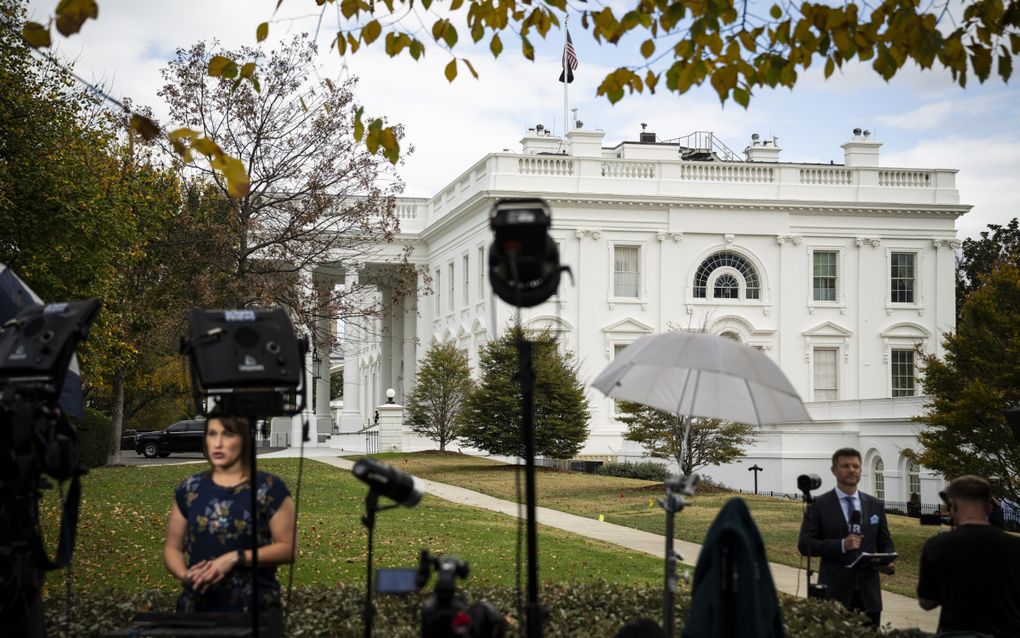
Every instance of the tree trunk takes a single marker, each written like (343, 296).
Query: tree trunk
(113, 455)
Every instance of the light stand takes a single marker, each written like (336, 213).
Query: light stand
(526, 376)
(816, 590)
(676, 488)
(368, 520)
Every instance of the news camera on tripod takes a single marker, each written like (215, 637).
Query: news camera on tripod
(36, 439)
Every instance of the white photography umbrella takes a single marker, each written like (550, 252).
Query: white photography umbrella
(702, 375)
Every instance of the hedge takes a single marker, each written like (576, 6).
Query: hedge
(574, 611)
(647, 470)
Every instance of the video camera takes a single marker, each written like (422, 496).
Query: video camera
(36, 437)
(445, 615)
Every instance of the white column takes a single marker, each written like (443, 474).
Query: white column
(350, 419)
(323, 422)
(410, 364)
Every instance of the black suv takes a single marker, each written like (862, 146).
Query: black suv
(183, 436)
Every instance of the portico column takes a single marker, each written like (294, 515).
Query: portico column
(350, 418)
(323, 420)
(409, 366)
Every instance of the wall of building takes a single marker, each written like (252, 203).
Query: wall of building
(678, 213)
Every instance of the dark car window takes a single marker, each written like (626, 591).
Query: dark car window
(196, 426)
(178, 427)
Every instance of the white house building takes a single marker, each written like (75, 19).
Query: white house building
(839, 272)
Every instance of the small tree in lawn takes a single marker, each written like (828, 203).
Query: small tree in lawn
(710, 442)
(492, 416)
(442, 385)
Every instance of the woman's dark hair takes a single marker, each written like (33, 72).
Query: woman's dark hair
(238, 425)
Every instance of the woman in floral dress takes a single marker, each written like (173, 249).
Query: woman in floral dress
(208, 536)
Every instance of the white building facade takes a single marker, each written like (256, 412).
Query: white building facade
(839, 273)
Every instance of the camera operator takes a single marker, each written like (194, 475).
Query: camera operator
(837, 527)
(972, 571)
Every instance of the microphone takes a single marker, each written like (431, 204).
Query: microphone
(387, 480)
(855, 522)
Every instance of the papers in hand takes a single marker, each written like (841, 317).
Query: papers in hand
(867, 559)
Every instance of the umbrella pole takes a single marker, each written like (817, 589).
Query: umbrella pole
(526, 375)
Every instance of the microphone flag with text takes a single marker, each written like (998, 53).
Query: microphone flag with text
(855, 522)
(390, 482)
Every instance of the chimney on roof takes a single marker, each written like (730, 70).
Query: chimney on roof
(646, 137)
(762, 150)
(861, 150)
(539, 139)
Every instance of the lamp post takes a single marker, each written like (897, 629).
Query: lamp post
(755, 468)
(390, 393)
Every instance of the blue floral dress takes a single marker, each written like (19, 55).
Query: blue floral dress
(219, 521)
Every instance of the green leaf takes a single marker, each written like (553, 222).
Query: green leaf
(36, 35)
(304, 107)
(647, 48)
(776, 12)
(341, 43)
(371, 32)
(416, 49)
(255, 84)
(527, 49)
(741, 97)
(496, 45)
(71, 14)
(247, 70)
(222, 66)
(451, 70)
(359, 126)
(262, 32)
(1005, 67)
(390, 145)
(470, 67)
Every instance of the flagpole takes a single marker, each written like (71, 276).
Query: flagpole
(566, 71)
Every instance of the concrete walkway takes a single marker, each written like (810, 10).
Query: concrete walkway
(902, 612)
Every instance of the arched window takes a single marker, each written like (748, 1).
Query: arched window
(727, 284)
(726, 287)
(878, 480)
(729, 334)
(913, 478)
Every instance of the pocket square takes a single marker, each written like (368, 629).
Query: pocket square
(874, 519)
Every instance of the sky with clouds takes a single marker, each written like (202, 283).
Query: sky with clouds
(923, 118)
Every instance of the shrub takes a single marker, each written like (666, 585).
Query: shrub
(575, 611)
(648, 470)
(94, 438)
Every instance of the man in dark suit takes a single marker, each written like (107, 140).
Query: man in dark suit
(838, 526)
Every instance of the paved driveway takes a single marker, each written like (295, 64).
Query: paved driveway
(130, 457)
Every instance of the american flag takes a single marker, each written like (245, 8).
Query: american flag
(569, 61)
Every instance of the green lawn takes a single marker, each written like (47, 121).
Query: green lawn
(630, 502)
(124, 511)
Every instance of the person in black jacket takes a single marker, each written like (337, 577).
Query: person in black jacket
(972, 572)
(837, 527)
